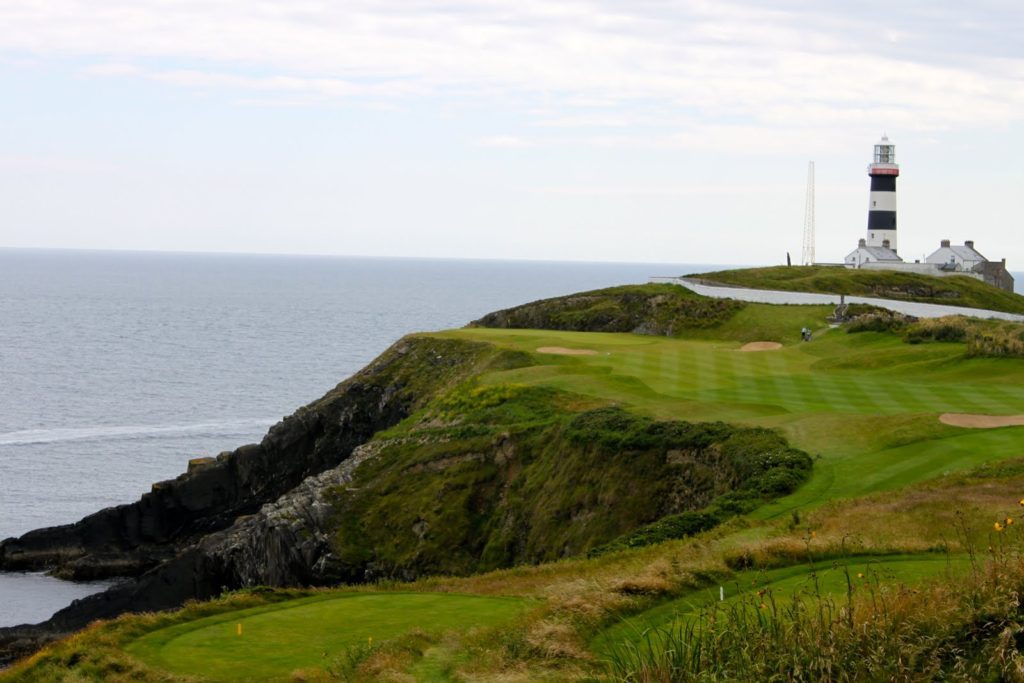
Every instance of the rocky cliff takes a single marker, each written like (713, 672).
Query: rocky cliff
(212, 529)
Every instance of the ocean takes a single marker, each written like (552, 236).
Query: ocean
(116, 368)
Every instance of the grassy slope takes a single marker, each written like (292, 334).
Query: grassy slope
(866, 404)
(957, 290)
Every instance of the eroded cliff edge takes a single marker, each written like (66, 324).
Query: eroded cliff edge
(157, 542)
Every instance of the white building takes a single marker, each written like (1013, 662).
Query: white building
(956, 257)
(864, 254)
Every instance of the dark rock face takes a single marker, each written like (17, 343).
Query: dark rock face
(284, 544)
(129, 539)
(227, 522)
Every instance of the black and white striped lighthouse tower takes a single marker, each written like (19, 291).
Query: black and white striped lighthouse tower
(882, 210)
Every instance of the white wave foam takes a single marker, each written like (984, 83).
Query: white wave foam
(37, 436)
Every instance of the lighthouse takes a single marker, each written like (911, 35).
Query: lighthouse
(882, 207)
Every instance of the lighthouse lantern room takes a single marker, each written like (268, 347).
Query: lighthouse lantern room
(882, 208)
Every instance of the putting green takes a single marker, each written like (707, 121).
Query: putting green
(278, 639)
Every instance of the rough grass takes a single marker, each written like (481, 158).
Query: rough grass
(983, 338)
(954, 290)
(657, 309)
(964, 627)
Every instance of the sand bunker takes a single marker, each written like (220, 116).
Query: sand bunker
(981, 421)
(562, 351)
(761, 346)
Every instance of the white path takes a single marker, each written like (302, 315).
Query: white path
(771, 296)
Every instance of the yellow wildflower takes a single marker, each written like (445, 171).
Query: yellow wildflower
(997, 526)
(1009, 521)
(764, 606)
(1022, 502)
(860, 575)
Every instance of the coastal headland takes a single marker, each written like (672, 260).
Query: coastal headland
(511, 492)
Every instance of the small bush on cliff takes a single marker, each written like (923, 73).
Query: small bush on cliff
(657, 309)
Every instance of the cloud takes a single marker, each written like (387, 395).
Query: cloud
(645, 64)
(504, 142)
(111, 69)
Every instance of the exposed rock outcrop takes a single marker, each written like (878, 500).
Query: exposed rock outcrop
(228, 523)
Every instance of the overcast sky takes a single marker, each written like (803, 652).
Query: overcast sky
(627, 130)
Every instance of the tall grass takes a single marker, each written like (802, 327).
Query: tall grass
(984, 338)
(996, 344)
(968, 629)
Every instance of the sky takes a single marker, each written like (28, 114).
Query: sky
(633, 130)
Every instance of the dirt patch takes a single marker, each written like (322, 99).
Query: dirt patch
(562, 351)
(761, 346)
(981, 421)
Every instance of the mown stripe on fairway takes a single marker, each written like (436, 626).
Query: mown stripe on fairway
(855, 397)
(1010, 399)
(895, 467)
(884, 397)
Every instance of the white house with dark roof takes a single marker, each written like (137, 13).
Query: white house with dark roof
(964, 259)
(865, 254)
(956, 257)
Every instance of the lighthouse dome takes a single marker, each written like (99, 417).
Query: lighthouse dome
(885, 151)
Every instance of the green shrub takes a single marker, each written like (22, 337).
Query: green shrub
(946, 329)
(665, 529)
(885, 321)
(779, 481)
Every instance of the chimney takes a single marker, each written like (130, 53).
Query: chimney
(885, 243)
(944, 243)
(969, 244)
(862, 243)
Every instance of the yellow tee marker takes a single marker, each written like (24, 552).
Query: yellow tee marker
(239, 629)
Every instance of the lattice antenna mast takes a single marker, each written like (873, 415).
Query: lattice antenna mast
(808, 254)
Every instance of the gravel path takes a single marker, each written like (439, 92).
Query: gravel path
(771, 296)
